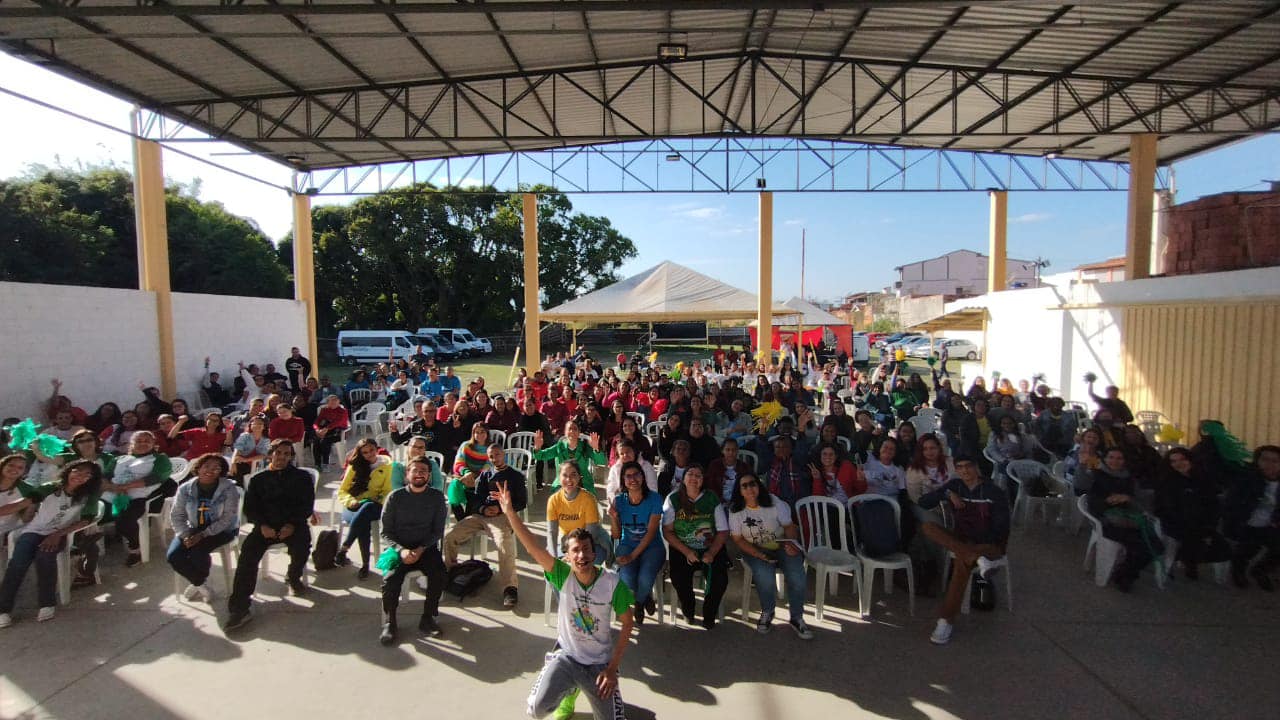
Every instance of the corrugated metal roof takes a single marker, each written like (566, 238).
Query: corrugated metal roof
(514, 73)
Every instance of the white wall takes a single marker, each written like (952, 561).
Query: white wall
(1027, 334)
(229, 329)
(101, 342)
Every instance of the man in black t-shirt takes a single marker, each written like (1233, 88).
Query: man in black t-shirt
(298, 368)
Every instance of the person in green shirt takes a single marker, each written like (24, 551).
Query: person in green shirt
(696, 529)
(587, 657)
(571, 448)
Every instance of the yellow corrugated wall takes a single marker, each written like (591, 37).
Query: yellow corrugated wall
(1206, 361)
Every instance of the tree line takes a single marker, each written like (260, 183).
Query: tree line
(410, 257)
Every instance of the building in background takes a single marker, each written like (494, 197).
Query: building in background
(862, 309)
(960, 273)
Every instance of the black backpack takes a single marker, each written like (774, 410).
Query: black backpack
(468, 576)
(325, 550)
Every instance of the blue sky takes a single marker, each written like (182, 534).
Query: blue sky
(854, 240)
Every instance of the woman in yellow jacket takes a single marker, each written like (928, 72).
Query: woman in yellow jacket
(364, 488)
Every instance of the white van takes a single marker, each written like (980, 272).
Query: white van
(861, 349)
(463, 340)
(361, 346)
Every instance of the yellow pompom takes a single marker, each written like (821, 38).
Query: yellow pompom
(1169, 433)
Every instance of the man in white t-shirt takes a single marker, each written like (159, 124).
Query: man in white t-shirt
(586, 657)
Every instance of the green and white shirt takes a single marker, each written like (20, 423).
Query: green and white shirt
(697, 528)
(583, 620)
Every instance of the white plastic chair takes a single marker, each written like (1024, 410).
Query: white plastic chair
(888, 563)
(844, 442)
(652, 429)
(1023, 472)
(1002, 563)
(522, 440)
(1220, 569)
(522, 461)
(923, 424)
(1069, 514)
(498, 437)
(638, 418)
(336, 521)
(359, 396)
(1103, 553)
(750, 458)
(433, 455)
(178, 473)
(366, 419)
(826, 551)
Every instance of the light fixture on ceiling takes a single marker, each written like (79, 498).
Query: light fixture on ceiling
(761, 184)
(673, 157)
(294, 159)
(1051, 155)
(312, 191)
(673, 51)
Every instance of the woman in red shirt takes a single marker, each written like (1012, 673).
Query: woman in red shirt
(287, 425)
(212, 438)
(330, 422)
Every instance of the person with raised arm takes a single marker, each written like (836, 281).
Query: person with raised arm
(586, 656)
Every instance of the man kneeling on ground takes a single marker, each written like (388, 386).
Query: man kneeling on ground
(585, 658)
(980, 531)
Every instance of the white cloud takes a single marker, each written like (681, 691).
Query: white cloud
(794, 221)
(1030, 217)
(702, 213)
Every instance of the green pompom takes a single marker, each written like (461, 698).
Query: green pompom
(50, 445)
(22, 434)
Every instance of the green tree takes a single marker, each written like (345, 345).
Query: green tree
(68, 226)
(884, 325)
(423, 256)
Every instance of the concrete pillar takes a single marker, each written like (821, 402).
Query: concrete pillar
(153, 251)
(998, 237)
(304, 273)
(765, 299)
(532, 336)
(1142, 182)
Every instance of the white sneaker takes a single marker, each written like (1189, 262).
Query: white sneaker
(190, 592)
(45, 614)
(942, 633)
(5, 620)
(986, 567)
(206, 595)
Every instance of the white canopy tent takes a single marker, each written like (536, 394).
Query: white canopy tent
(803, 313)
(666, 292)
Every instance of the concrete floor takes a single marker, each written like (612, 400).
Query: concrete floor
(129, 649)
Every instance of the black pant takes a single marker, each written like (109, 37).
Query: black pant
(431, 564)
(1253, 539)
(716, 573)
(193, 563)
(1138, 551)
(324, 445)
(252, 549)
(127, 522)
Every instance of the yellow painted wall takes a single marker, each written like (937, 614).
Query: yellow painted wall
(1215, 360)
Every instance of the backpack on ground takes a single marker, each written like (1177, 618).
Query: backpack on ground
(468, 576)
(325, 550)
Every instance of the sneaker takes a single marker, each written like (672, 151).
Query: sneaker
(5, 620)
(801, 629)
(428, 626)
(237, 620)
(204, 594)
(190, 592)
(298, 587)
(986, 567)
(1264, 580)
(941, 633)
(510, 597)
(650, 607)
(341, 559)
(388, 635)
(80, 581)
(637, 612)
(363, 573)
(564, 710)
(45, 614)
(135, 558)
(709, 622)
(765, 622)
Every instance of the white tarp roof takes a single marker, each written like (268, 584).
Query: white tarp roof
(665, 292)
(803, 312)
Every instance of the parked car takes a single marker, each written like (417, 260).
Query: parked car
(443, 349)
(359, 346)
(486, 347)
(958, 349)
(897, 338)
(911, 344)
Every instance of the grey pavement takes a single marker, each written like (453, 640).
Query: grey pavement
(129, 649)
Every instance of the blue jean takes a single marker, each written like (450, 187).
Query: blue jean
(360, 526)
(762, 573)
(193, 563)
(640, 573)
(26, 551)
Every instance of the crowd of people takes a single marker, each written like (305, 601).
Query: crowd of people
(686, 467)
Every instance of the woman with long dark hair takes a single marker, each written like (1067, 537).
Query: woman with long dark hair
(696, 528)
(763, 530)
(64, 506)
(1187, 503)
(1111, 500)
(364, 489)
(107, 415)
(636, 514)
